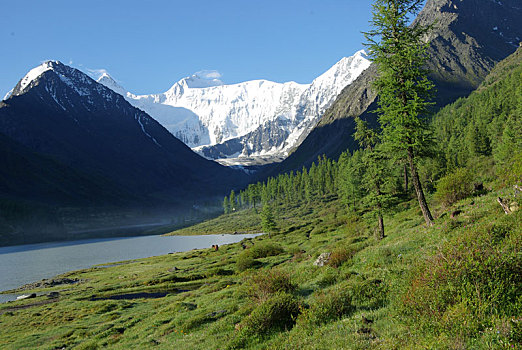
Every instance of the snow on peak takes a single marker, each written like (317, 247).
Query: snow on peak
(8, 95)
(109, 82)
(202, 110)
(34, 73)
(195, 81)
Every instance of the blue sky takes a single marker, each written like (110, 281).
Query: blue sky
(149, 45)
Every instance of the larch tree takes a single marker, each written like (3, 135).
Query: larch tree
(267, 220)
(232, 200)
(226, 205)
(400, 53)
(376, 174)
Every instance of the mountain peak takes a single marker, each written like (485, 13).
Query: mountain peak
(109, 82)
(33, 74)
(198, 81)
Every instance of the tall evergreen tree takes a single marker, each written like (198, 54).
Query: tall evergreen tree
(402, 85)
(267, 220)
(232, 200)
(226, 205)
(376, 173)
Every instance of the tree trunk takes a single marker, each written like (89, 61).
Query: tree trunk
(418, 189)
(405, 178)
(380, 234)
(381, 228)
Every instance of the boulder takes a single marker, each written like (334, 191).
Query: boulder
(322, 259)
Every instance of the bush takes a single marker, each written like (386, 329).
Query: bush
(219, 271)
(370, 293)
(267, 283)
(328, 277)
(510, 172)
(278, 312)
(262, 250)
(245, 261)
(327, 306)
(474, 277)
(340, 255)
(454, 187)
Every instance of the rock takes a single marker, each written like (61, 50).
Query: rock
(216, 313)
(26, 296)
(46, 283)
(322, 259)
(504, 204)
(518, 190)
(53, 295)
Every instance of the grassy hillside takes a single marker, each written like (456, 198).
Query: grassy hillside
(455, 285)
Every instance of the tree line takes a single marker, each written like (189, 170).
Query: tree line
(410, 151)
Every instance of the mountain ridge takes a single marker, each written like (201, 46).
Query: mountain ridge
(223, 121)
(464, 47)
(59, 116)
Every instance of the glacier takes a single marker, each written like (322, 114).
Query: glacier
(206, 113)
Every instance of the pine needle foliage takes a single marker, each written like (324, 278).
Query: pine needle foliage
(400, 53)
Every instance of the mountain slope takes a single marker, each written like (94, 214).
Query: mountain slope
(71, 125)
(225, 121)
(469, 37)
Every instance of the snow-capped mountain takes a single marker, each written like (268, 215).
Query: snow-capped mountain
(252, 118)
(58, 111)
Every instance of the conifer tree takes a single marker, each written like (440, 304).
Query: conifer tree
(376, 173)
(267, 219)
(226, 205)
(400, 53)
(232, 200)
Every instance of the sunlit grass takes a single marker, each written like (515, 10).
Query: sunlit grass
(214, 300)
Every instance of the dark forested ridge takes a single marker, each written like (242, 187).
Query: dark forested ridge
(468, 39)
(486, 124)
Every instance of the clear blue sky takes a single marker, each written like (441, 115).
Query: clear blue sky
(149, 45)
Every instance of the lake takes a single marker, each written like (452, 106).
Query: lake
(32, 262)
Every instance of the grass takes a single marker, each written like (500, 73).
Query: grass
(376, 294)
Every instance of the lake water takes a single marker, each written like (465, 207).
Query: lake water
(32, 262)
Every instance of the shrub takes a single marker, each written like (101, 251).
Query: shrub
(267, 283)
(454, 187)
(370, 293)
(245, 261)
(327, 306)
(476, 275)
(340, 255)
(219, 271)
(295, 250)
(262, 250)
(328, 277)
(278, 312)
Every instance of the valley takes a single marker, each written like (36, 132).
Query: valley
(378, 207)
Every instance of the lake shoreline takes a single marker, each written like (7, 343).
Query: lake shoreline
(104, 252)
